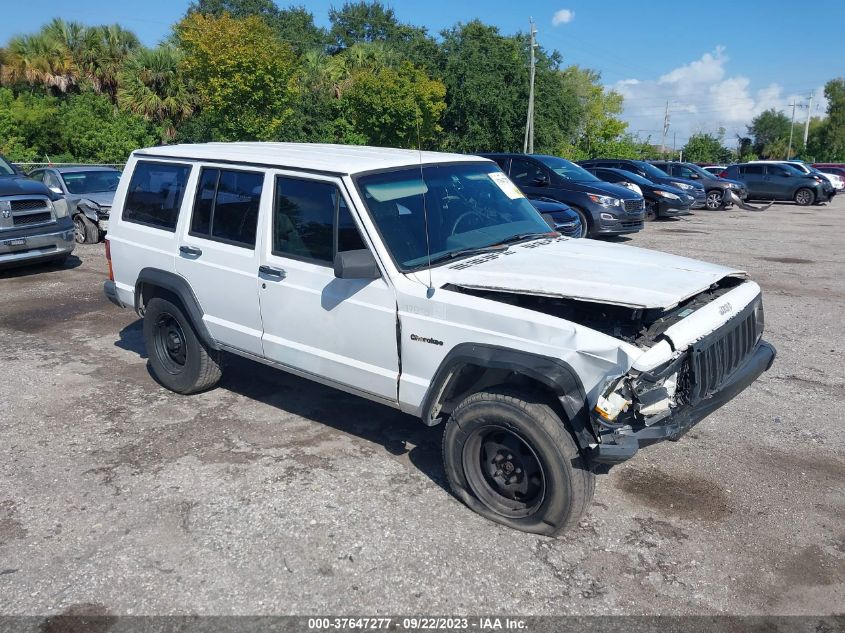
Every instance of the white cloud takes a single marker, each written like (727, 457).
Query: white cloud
(564, 16)
(702, 97)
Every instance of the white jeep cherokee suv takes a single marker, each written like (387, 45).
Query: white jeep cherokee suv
(427, 282)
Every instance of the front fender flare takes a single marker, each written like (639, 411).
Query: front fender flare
(554, 373)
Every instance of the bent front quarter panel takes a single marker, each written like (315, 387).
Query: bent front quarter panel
(431, 327)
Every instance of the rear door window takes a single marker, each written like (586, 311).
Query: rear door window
(155, 194)
(751, 170)
(226, 206)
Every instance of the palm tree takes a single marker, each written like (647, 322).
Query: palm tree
(151, 85)
(102, 53)
(41, 59)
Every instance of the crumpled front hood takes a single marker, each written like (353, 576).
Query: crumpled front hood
(587, 270)
(102, 198)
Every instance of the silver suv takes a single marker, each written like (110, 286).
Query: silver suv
(429, 283)
(34, 222)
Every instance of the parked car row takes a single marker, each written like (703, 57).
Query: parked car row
(591, 198)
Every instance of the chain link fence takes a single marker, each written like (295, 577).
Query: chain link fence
(28, 167)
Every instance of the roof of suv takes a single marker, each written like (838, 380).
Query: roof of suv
(338, 159)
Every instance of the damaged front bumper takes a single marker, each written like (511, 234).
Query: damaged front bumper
(619, 445)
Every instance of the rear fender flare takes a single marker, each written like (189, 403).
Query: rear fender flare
(150, 279)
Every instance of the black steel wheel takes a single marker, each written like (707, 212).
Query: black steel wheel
(504, 471)
(170, 344)
(179, 360)
(512, 459)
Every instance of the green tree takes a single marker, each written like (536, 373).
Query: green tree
(395, 107)
(602, 132)
(706, 148)
(829, 137)
(295, 25)
(153, 87)
(101, 55)
(238, 9)
(769, 131)
(28, 125)
(93, 130)
(357, 22)
(487, 89)
(244, 76)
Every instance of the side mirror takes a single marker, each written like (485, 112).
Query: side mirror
(56, 190)
(694, 176)
(541, 181)
(358, 264)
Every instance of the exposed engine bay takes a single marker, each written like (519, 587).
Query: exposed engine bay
(638, 326)
(645, 399)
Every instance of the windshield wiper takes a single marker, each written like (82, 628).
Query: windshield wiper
(527, 236)
(467, 251)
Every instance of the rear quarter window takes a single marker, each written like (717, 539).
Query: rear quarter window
(155, 194)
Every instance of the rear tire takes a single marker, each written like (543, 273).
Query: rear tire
(804, 197)
(179, 360)
(511, 459)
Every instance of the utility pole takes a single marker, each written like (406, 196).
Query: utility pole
(791, 129)
(807, 123)
(665, 131)
(528, 144)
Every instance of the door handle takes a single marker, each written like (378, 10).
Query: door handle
(273, 273)
(190, 251)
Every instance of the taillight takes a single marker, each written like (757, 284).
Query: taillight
(108, 259)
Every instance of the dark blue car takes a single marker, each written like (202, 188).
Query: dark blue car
(655, 175)
(661, 201)
(603, 208)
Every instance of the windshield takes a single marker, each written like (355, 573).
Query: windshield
(5, 168)
(91, 181)
(567, 169)
(651, 171)
(465, 206)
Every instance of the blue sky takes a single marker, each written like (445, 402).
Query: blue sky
(717, 62)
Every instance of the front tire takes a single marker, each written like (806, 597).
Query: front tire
(715, 200)
(511, 459)
(179, 360)
(84, 230)
(585, 227)
(804, 197)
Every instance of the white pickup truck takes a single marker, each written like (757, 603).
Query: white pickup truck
(427, 282)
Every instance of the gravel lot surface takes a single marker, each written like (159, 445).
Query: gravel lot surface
(273, 495)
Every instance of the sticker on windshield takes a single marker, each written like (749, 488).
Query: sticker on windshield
(504, 183)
